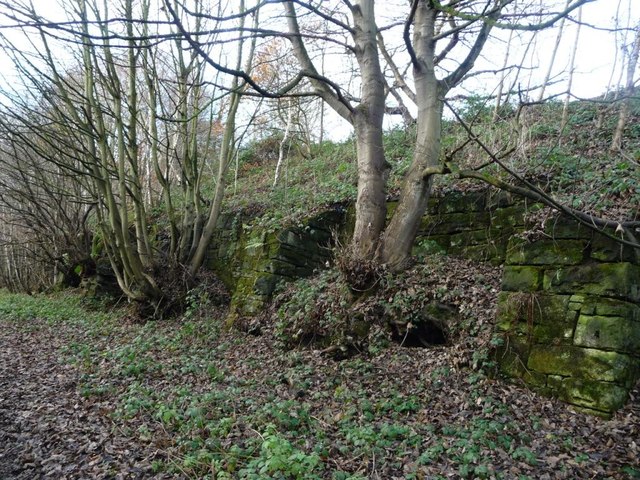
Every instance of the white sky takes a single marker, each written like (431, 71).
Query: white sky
(598, 53)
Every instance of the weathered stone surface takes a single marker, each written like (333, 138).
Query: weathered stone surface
(608, 333)
(430, 246)
(546, 252)
(562, 227)
(512, 356)
(598, 396)
(606, 249)
(446, 224)
(583, 363)
(536, 380)
(499, 199)
(571, 328)
(508, 311)
(463, 202)
(545, 318)
(471, 237)
(618, 280)
(609, 307)
(253, 260)
(485, 253)
(508, 217)
(522, 278)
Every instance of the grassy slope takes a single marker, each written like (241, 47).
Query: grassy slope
(575, 166)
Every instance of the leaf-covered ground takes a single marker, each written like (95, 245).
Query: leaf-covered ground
(92, 396)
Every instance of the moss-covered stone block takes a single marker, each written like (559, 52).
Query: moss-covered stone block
(499, 199)
(430, 246)
(582, 363)
(554, 382)
(512, 356)
(507, 311)
(544, 318)
(538, 381)
(522, 278)
(509, 217)
(562, 227)
(610, 307)
(457, 202)
(433, 205)
(606, 249)
(599, 396)
(471, 237)
(485, 253)
(554, 322)
(608, 333)
(576, 302)
(447, 224)
(618, 280)
(546, 252)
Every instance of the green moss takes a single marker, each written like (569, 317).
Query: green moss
(430, 246)
(563, 227)
(545, 252)
(610, 307)
(493, 253)
(554, 382)
(500, 199)
(446, 224)
(508, 217)
(535, 380)
(472, 237)
(463, 202)
(621, 280)
(511, 357)
(544, 318)
(554, 321)
(508, 311)
(582, 363)
(522, 278)
(598, 396)
(608, 333)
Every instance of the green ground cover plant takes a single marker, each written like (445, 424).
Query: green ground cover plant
(205, 402)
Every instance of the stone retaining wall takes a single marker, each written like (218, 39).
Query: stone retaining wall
(477, 225)
(569, 314)
(252, 260)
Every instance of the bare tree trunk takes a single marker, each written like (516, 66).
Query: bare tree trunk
(604, 109)
(401, 232)
(496, 110)
(371, 205)
(226, 154)
(572, 67)
(554, 52)
(632, 63)
(283, 142)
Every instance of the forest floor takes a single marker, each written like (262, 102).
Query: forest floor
(98, 397)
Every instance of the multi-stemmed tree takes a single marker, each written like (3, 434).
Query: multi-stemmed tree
(442, 42)
(127, 114)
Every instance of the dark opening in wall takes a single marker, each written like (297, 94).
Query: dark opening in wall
(428, 328)
(424, 334)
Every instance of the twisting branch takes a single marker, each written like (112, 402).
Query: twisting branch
(246, 78)
(407, 34)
